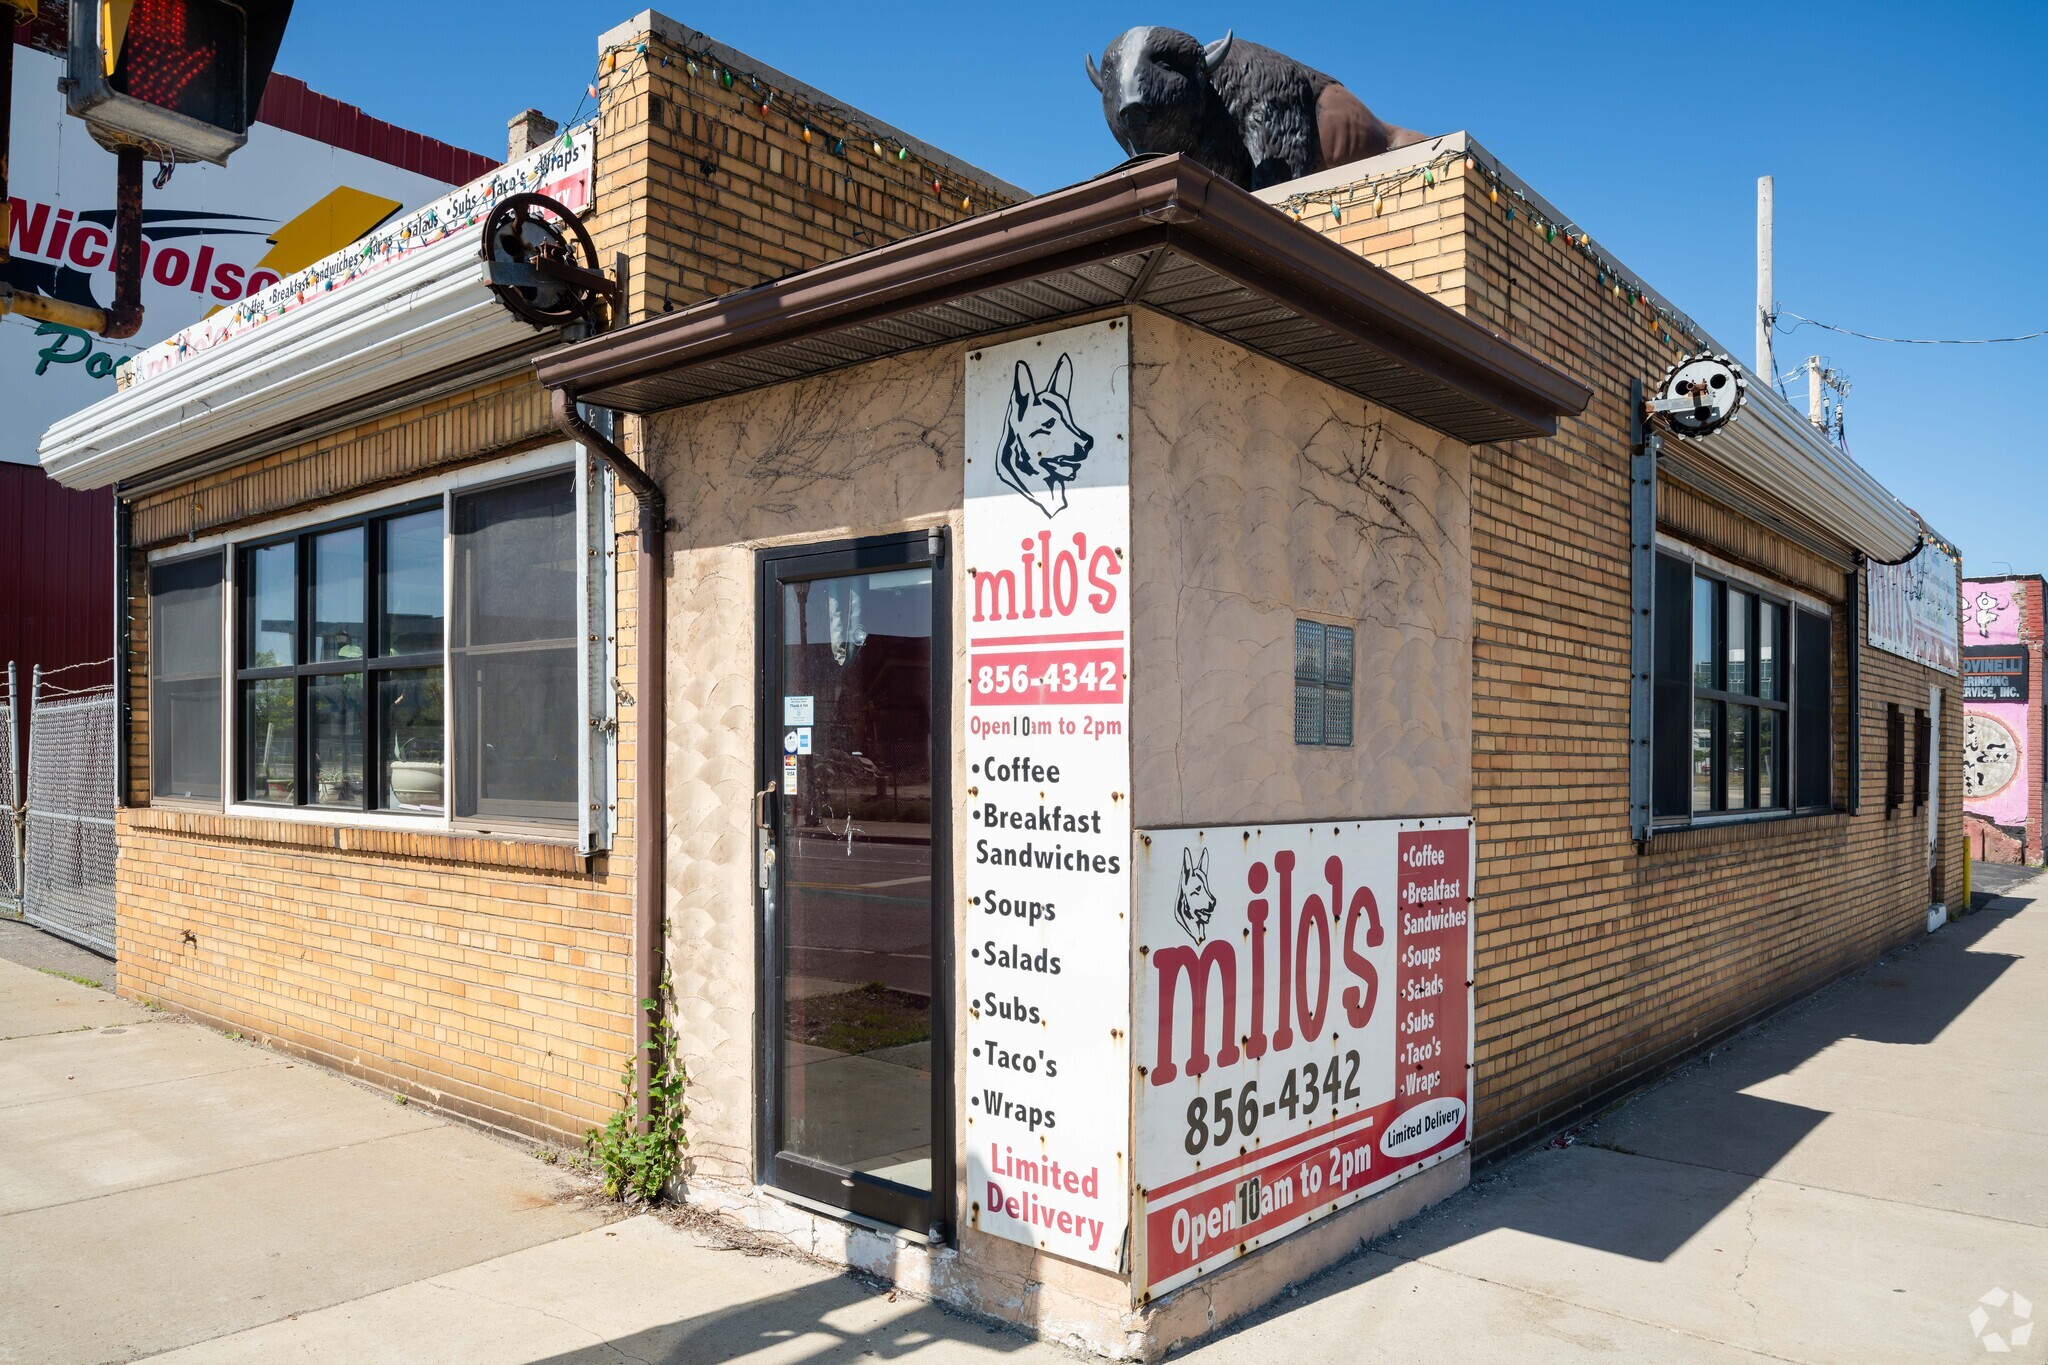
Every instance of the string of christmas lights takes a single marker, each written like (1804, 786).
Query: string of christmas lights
(762, 98)
(1370, 196)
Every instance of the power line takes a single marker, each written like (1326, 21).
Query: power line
(1903, 341)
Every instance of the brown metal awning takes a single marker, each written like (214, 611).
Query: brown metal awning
(1166, 234)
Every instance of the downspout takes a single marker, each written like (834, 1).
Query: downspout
(650, 682)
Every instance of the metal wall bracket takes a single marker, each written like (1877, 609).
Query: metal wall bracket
(1642, 600)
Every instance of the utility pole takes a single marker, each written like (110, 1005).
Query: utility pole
(1766, 295)
(1815, 412)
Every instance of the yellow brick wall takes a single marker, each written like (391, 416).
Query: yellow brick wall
(1600, 966)
(706, 194)
(491, 977)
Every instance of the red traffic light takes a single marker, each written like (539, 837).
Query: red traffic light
(177, 76)
(186, 56)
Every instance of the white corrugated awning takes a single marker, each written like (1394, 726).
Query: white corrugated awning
(1776, 449)
(417, 317)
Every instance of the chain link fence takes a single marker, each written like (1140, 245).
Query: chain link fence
(10, 794)
(69, 882)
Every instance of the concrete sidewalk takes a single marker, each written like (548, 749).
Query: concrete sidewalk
(1844, 1184)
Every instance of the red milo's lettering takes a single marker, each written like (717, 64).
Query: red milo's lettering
(1301, 979)
(1047, 583)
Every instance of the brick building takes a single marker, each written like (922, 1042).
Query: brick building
(480, 961)
(2002, 736)
(737, 642)
(1605, 955)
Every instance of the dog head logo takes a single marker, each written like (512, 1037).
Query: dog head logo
(1042, 448)
(1197, 902)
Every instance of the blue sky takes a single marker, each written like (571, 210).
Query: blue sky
(1907, 142)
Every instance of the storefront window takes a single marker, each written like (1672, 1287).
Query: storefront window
(1725, 726)
(307, 726)
(421, 660)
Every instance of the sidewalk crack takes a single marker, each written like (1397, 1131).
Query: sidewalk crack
(1749, 1201)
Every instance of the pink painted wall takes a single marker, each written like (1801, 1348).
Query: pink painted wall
(1991, 616)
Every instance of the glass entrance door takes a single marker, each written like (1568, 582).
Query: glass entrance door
(855, 911)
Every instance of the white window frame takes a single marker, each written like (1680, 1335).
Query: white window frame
(596, 622)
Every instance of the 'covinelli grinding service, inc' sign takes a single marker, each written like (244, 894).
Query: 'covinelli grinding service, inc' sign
(1304, 1032)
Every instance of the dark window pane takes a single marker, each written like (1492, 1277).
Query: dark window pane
(1923, 739)
(1812, 724)
(270, 612)
(1894, 758)
(1671, 691)
(1740, 607)
(1337, 716)
(1737, 766)
(1308, 713)
(409, 616)
(269, 738)
(1770, 760)
(516, 707)
(1308, 651)
(1706, 739)
(1770, 682)
(185, 678)
(413, 775)
(338, 596)
(1338, 644)
(185, 739)
(1706, 631)
(516, 552)
(516, 735)
(336, 703)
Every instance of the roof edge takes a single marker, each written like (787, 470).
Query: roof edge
(1164, 202)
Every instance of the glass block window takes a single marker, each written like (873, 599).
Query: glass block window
(1322, 684)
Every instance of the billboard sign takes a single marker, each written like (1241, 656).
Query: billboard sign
(212, 236)
(1914, 608)
(1046, 847)
(1304, 1028)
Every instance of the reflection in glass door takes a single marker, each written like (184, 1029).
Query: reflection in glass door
(855, 1061)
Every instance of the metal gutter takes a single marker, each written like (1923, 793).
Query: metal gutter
(1168, 202)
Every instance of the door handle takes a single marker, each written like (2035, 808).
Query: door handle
(764, 839)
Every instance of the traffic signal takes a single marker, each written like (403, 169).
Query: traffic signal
(176, 77)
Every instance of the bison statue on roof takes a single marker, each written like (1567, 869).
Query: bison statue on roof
(1250, 114)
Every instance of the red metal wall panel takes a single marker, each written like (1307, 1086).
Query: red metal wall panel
(56, 577)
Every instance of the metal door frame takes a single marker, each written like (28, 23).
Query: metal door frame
(865, 1197)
